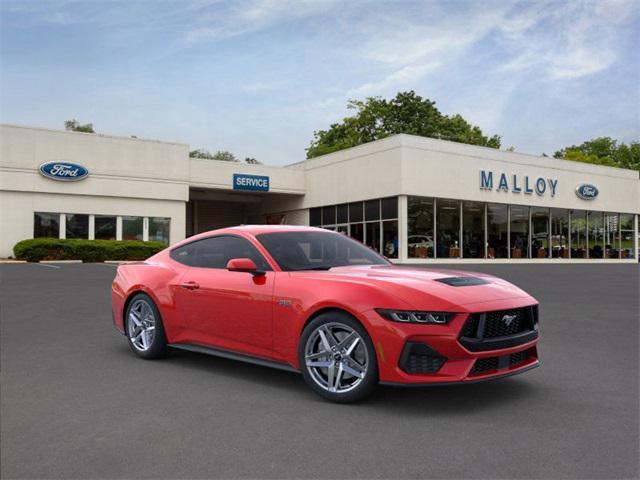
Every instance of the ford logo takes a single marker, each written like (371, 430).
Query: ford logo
(63, 171)
(586, 191)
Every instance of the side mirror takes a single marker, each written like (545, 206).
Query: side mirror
(243, 265)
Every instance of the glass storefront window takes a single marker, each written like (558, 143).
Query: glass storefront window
(390, 238)
(447, 228)
(315, 217)
(519, 231)
(539, 232)
(355, 212)
(559, 233)
(46, 225)
(77, 226)
(343, 213)
(497, 229)
(611, 235)
(105, 227)
(373, 235)
(372, 210)
(420, 227)
(389, 208)
(343, 229)
(626, 236)
(595, 237)
(159, 228)
(329, 215)
(578, 234)
(473, 230)
(132, 228)
(356, 231)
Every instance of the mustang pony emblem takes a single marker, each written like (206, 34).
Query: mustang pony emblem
(508, 319)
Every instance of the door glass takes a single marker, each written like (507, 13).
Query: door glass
(215, 252)
(519, 232)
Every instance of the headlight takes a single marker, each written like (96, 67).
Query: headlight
(410, 316)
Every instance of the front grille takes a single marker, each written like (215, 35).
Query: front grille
(500, 329)
(483, 365)
(420, 358)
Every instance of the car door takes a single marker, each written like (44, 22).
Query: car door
(230, 310)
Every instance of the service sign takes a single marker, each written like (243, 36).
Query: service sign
(256, 183)
(63, 171)
(586, 191)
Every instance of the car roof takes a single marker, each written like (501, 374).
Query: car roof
(253, 230)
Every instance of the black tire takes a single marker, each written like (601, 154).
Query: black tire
(158, 346)
(370, 380)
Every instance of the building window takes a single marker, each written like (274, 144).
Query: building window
(626, 236)
(355, 212)
(539, 232)
(315, 217)
(77, 226)
(46, 225)
(342, 213)
(132, 228)
(356, 231)
(105, 227)
(497, 231)
(611, 235)
(559, 233)
(372, 239)
(519, 232)
(329, 216)
(595, 237)
(578, 234)
(371, 210)
(447, 228)
(420, 227)
(159, 228)
(473, 230)
(390, 238)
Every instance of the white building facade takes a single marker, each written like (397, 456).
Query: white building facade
(414, 199)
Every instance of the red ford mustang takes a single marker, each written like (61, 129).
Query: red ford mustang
(318, 302)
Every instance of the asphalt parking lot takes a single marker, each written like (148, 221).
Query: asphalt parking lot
(76, 403)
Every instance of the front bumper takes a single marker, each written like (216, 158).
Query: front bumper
(456, 364)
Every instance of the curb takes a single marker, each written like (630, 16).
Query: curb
(115, 262)
(60, 261)
(9, 261)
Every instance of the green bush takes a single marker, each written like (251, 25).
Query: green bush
(36, 249)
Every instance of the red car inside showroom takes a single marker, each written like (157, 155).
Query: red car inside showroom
(317, 302)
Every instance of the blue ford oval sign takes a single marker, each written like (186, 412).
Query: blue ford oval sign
(63, 171)
(586, 191)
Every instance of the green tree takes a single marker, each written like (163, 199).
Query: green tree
(252, 161)
(377, 118)
(219, 155)
(604, 151)
(75, 126)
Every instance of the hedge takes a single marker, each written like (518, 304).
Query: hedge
(36, 249)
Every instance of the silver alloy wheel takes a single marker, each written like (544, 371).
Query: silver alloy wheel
(336, 357)
(141, 325)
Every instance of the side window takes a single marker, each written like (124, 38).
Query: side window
(215, 252)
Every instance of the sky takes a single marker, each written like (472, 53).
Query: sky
(258, 77)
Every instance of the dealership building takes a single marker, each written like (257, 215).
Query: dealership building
(414, 199)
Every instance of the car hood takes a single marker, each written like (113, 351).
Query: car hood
(421, 287)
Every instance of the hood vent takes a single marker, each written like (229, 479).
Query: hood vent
(462, 281)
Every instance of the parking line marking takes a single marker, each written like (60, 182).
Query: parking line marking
(47, 265)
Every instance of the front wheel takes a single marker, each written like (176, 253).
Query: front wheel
(337, 358)
(145, 331)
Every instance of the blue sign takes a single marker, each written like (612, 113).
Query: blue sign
(257, 183)
(586, 191)
(518, 183)
(63, 171)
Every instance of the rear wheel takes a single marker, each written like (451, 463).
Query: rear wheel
(337, 358)
(145, 331)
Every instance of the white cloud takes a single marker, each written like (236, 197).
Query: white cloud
(405, 77)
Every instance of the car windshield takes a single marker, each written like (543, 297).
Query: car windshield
(317, 250)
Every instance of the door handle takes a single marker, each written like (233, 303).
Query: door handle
(190, 285)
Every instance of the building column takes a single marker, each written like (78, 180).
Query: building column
(403, 227)
(63, 225)
(636, 241)
(92, 227)
(145, 229)
(118, 228)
